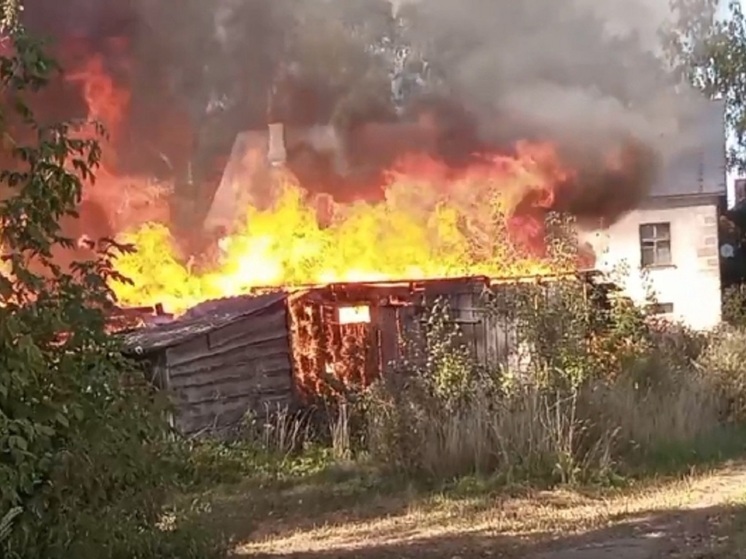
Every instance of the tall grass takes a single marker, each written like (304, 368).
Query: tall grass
(599, 397)
(595, 393)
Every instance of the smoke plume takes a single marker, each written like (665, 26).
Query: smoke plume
(584, 74)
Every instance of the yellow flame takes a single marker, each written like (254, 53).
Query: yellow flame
(423, 229)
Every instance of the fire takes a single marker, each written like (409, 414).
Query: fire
(107, 102)
(433, 223)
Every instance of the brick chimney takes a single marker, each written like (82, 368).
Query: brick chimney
(276, 152)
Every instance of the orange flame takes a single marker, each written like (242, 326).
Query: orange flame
(107, 103)
(434, 222)
(431, 224)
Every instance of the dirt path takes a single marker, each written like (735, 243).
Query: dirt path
(692, 530)
(681, 519)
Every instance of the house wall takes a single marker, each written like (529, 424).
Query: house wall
(215, 379)
(692, 282)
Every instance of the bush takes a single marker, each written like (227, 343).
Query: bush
(593, 392)
(734, 305)
(86, 458)
(724, 360)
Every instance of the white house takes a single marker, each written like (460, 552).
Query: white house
(670, 244)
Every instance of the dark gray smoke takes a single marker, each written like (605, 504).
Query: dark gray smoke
(588, 75)
(584, 74)
(575, 67)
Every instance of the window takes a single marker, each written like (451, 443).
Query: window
(655, 244)
(354, 315)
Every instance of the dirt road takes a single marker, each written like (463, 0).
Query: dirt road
(690, 518)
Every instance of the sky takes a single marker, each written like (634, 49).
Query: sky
(724, 5)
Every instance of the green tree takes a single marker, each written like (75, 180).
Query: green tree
(86, 458)
(710, 53)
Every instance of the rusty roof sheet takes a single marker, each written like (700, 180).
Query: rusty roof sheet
(202, 319)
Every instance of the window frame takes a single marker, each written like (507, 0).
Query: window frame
(656, 239)
(660, 309)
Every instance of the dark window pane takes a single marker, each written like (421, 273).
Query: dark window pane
(663, 231)
(648, 256)
(647, 232)
(663, 252)
(655, 244)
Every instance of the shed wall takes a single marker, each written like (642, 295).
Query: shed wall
(219, 377)
(489, 339)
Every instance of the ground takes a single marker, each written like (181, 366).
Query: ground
(702, 515)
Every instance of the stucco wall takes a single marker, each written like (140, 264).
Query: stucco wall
(692, 282)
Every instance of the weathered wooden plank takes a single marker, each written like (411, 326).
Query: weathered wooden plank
(229, 382)
(184, 354)
(253, 339)
(193, 421)
(389, 329)
(187, 350)
(254, 330)
(279, 367)
(226, 386)
(241, 402)
(249, 328)
(240, 390)
(245, 355)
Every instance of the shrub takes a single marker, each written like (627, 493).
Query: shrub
(734, 305)
(724, 361)
(595, 389)
(86, 458)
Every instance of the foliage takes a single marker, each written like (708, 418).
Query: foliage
(579, 397)
(214, 463)
(86, 458)
(734, 305)
(580, 400)
(710, 53)
(725, 359)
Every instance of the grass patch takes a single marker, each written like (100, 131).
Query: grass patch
(518, 520)
(710, 450)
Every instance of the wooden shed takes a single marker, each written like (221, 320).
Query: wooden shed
(221, 360)
(274, 350)
(355, 332)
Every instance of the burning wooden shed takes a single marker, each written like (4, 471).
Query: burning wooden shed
(227, 357)
(220, 360)
(354, 332)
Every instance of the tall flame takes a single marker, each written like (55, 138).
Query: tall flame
(434, 221)
(431, 224)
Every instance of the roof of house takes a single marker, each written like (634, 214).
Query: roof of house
(202, 319)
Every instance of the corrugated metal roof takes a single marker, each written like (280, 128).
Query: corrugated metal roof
(200, 320)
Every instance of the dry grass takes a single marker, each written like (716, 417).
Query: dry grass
(527, 433)
(524, 517)
(539, 434)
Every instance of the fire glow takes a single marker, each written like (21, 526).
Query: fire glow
(431, 225)
(434, 222)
